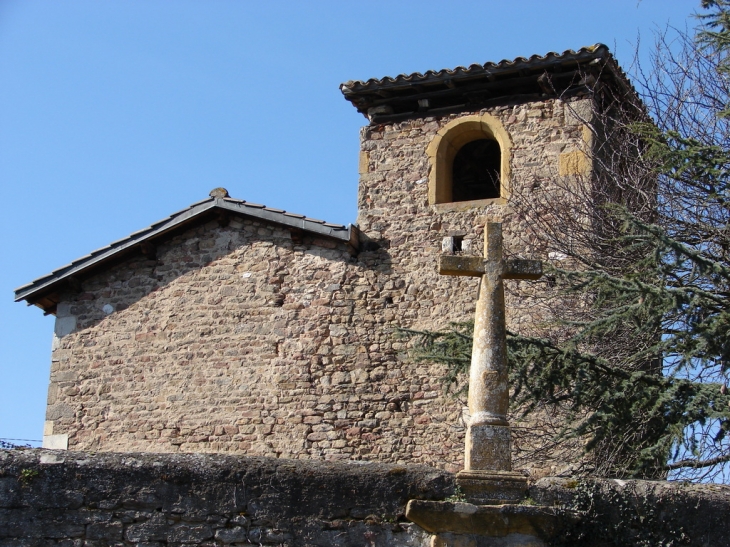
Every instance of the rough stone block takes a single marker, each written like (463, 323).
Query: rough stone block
(187, 533)
(156, 529)
(109, 531)
(10, 492)
(237, 534)
(492, 521)
(56, 442)
(65, 326)
(488, 448)
(576, 162)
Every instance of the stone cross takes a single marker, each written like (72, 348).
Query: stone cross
(488, 440)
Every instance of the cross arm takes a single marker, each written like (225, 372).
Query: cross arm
(461, 265)
(518, 268)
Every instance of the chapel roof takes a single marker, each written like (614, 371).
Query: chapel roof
(443, 91)
(43, 291)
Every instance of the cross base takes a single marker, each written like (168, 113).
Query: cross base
(492, 487)
(488, 446)
(465, 525)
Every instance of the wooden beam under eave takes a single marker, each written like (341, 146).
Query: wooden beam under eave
(48, 303)
(353, 246)
(494, 87)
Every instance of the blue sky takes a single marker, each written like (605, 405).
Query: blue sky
(115, 114)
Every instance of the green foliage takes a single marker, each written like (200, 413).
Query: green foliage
(646, 410)
(451, 346)
(27, 475)
(457, 496)
(715, 35)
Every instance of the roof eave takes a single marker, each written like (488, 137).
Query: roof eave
(378, 100)
(42, 286)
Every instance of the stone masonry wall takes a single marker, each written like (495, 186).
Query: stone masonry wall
(237, 339)
(393, 199)
(75, 499)
(549, 140)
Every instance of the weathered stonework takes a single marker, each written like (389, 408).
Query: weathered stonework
(54, 498)
(64, 498)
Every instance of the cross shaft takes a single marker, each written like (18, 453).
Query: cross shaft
(488, 435)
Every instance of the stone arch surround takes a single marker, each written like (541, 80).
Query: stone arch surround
(449, 140)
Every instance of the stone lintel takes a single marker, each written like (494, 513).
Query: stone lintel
(461, 265)
(518, 268)
(485, 520)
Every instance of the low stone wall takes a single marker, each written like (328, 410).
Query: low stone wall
(639, 513)
(76, 499)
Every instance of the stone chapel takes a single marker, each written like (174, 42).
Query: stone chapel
(239, 328)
